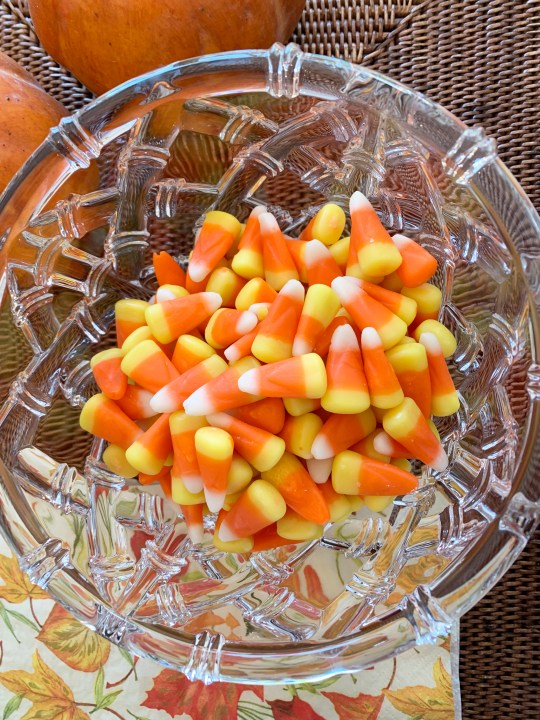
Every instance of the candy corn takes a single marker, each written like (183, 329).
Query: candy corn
(298, 490)
(136, 403)
(428, 300)
(368, 312)
(377, 254)
(444, 398)
(146, 479)
(218, 232)
(170, 292)
(320, 307)
(366, 447)
(181, 495)
(268, 538)
(242, 545)
(275, 334)
(150, 450)
(103, 418)
(129, 315)
(321, 268)
(167, 270)
(279, 266)
(384, 388)
(239, 476)
(339, 432)
(295, 528)
(225, 283)
(297, 250)
(172, 396)
(254, 291)
(418, 265)
(260, 448)
(340, 252)
(172, 318)
(410, 364)
(242, 347)
(259, 505)
(248, 261)
(193, 517)
(326, 226)
(190, 351)
(323, 343)
(354, 474)
(303, 376)
(223, 392)
(446, 340)
(106, 366)
(347, 391)
(226, 326)
(214, 449)
(299, 406)
(386, 445)
(148, 366)
(402, 306)
(300, 432)
(267, 414)
(319, 469)
(338, 505)
(185, 467)
(406, 424)
(114, 458)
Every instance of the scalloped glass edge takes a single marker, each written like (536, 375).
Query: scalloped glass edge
(427, 613)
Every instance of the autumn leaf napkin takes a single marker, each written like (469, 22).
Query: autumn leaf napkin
(54, 668)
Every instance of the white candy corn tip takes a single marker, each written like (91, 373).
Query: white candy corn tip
(344, 338)
(321, 448)
(164, 401)
(198, 403)
(214, 499)
(246, 322)
(358, 201)
(431, 342)
(225, 534)
(319, 469)
(400, 241)
(268, 223)
(163, 294)
(346, 288)
(293, 289)
(196, 534)
(440, 463)
(383, 443)
(232, 353)
(248, 383)
(260, 309)
(193, 483)
(258, 211)
(370, 338)
(314, 252)
(213, 300)
(153, 299)
(197, 271)
(220, 420)
(300, 347)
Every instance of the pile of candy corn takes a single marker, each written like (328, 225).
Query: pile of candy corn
(280, 382)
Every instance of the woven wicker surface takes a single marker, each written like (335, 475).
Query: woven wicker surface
(481, 60)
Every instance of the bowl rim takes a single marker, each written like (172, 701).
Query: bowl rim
(425, 614)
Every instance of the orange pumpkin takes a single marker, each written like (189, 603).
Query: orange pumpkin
(105, 42)
(27, 113)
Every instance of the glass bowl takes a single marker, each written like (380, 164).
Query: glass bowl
(230, 131)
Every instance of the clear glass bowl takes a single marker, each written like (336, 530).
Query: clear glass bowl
(229, 131)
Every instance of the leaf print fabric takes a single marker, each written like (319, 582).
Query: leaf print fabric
(54, 668)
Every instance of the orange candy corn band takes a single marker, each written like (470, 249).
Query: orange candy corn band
(167, 270)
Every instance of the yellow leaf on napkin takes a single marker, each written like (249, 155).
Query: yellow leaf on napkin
(51, 698)
(77, 646)
(426, 703)
(16, 586)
